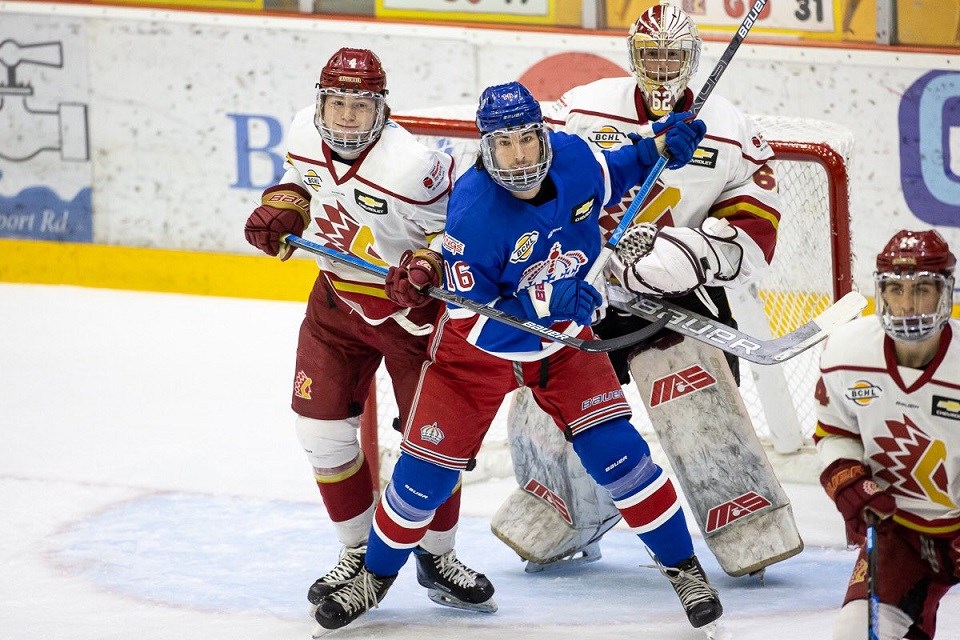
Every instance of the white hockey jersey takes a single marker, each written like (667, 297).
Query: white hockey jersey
(728, 176)
(903, 423)
(390, 199)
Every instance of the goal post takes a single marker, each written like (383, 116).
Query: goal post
(811, 269)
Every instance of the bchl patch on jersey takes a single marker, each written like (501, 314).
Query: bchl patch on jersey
(453, 245)
(369, 203)
(948, 408)
(705, 157)
(582, 211)
(312, 180)
(523, 248)
(301, 385)
(431, 433)
(607, 137)
(540, 491)
(679, 384)
(863, 392)
(732, 510)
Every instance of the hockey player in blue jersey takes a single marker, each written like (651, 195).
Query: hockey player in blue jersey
(522, 232)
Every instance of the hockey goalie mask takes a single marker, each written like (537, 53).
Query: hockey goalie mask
(664, 47)
(514, 145)
(914, 285)
(351, 109)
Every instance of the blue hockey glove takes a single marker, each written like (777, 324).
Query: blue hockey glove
(679, 135)
(564, 299)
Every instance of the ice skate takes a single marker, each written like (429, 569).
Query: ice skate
(699, 599)
(349, 564)
(453, 584)
(351, 599)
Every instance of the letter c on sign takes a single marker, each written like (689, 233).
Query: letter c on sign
(930, 147)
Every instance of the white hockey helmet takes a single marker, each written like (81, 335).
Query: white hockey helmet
(664, 46)
(914, 285)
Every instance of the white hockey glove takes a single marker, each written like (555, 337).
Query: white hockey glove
(673, 261)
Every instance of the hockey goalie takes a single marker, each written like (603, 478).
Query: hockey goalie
(706, 227)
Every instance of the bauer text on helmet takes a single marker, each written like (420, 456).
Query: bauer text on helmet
(914, 285)
(351, 109)
(664, 47)
(514, 145)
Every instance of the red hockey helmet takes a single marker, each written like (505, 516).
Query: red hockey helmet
(914, 279)
(354, 70)
(351, 110)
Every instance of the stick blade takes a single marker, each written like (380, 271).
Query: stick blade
(841, 312)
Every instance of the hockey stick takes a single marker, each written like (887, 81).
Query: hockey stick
(731, 340)
(593, 346)
(873, 600)
(597, 267)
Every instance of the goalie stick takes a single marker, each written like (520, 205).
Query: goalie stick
(712, 332)
(592, 346)
(597, 267)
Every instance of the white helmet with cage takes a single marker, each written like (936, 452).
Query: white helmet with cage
(914, 285)
(664, 46)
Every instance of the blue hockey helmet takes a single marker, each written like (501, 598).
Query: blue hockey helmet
(514, 144)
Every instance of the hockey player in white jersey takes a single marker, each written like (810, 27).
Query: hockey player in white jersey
(717, 218)
(360, 184)
(888, 436)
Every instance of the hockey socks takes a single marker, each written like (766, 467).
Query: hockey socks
(618, 458)
(405, 512)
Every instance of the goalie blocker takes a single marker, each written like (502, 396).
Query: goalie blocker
(558, 514)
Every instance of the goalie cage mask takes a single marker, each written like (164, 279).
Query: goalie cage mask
(914, 285)
(664, 47)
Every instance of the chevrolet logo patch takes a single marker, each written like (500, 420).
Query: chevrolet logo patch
(582, 211)
(369, 203)
(705, 157)
(946, 407)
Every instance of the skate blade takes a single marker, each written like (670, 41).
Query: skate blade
(590, 553)
(320, 632)
(713, 631)
(313, 611)
(445, 599)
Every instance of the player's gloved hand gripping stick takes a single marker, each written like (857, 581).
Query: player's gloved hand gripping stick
(597, 346)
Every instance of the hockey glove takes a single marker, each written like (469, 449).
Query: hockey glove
(285, 209)
(564, 299)
(673, 261)
(405, 283)
(679, 135)
(851, 487)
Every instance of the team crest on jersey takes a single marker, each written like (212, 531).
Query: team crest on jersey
(705, 157)
(559, 264)
(523, 248)
(312, 180)
(607, 137)
(431, 433)
(863, 392)
(582, 211)
(948, 408)
(453, 245)
(301, 385)
(369, 203)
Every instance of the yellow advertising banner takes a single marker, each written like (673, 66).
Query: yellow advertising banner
(239, 5)
(540, 12)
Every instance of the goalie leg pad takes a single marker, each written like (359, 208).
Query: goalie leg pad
(706, 434)
(558, 511)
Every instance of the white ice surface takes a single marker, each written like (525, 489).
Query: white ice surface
(151, 487)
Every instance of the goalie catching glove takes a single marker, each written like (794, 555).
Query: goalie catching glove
(285, 209)
(851, 487)
(673, 261)
(679, 135)
(406, 283)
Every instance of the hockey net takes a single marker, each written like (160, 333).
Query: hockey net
(811, 269)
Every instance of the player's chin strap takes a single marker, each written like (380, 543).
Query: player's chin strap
(597, 267)
(546, 333)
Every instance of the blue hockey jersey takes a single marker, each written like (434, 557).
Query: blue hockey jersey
(497, 244)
